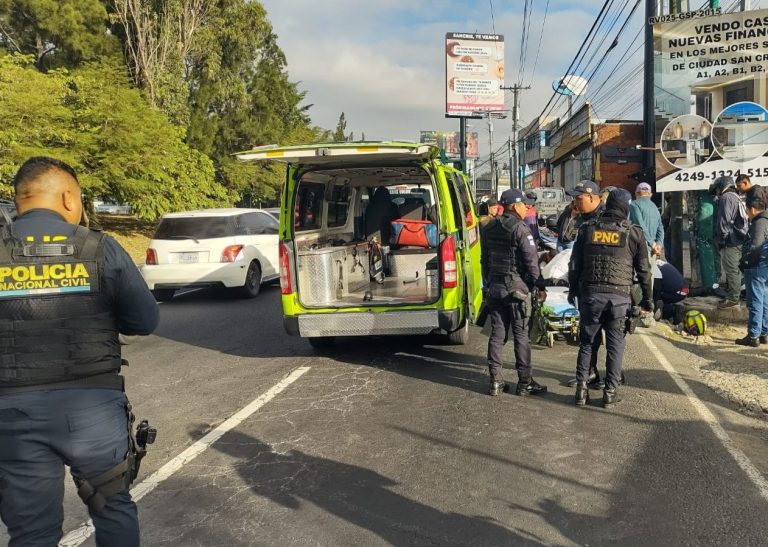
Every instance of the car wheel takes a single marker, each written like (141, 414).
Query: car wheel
(163, 295)
(322, 342)
(252, 281)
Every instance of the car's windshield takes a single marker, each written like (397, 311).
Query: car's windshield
(193, 228)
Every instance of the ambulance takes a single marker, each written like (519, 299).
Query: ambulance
(375, 238)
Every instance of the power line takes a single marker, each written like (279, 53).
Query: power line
(538, 49)
(493, 20)
(544, 111)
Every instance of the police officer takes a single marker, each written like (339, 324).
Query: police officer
(588, 203)
(608, 253)
(66, 292)
(510, 271)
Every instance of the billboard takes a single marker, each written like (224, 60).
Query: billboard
(449, 141)
(710, 96)
(474, 73)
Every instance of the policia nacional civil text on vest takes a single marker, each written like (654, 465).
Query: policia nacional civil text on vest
(608, 254)
(510, 264)
(66, 292)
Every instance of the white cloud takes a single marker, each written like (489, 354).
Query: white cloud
(382, 62)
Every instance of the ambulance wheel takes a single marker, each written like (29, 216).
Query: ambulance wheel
(322, 342)
(163, 295)
(460, 336)
(252, 284)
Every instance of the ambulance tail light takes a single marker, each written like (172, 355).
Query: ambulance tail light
(448, 261)
(286, 285)
(231, 252)
(151, 257)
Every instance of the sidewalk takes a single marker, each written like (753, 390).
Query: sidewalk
(737, 373)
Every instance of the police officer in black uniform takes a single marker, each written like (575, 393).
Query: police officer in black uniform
(66, 292)
(510, 271)
(609, 252)
(588, 203)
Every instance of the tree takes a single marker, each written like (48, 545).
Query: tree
(340, 134)
(122, 148)
(57, 32)
(158, 38)
(241, 96)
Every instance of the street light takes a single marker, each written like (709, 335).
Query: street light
(489, 115)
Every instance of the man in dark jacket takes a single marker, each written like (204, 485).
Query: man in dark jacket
(66, 293)
(608, 253)
(754, 264)
(730, 230)
(510, 271)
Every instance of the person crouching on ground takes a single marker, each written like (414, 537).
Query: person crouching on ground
(754, 264)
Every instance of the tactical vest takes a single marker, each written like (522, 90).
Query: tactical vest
(608, 262)
(500, 247)
(56, 329)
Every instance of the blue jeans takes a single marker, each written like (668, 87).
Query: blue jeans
(756, 281)
(42, 431)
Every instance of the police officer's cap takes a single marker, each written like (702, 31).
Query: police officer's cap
(584, 187)
(513, 195)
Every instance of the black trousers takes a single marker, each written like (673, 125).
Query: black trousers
(602, 311)
(508, 315)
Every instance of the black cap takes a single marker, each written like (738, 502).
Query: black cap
(513, 195)
(756, 197)
(584, 187)
(618, 195)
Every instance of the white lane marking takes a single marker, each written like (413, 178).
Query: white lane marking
(741, 459)
(79, 535)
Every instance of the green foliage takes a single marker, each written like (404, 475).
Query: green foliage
(340, 134)
(57, 32)
(91, 118)
(241, 96)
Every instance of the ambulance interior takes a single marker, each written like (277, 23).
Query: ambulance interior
(347, 219)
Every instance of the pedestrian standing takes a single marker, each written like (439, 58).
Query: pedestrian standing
(490, 209)
(66, 292)
(532, 216)
(743, 184)
(645, 214)
(609, 252)
(510, 272)
(731, 226)
(754, 263)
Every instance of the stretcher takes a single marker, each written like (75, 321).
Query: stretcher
(555, 318)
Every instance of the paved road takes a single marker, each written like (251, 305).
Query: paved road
(393, 441)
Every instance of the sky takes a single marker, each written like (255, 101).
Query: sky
(381, 62)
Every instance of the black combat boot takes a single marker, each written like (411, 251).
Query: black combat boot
(497, 385)
(764, 338)
(594, 376)
(610, 396)
(530, 387)
(596, 382)
(582, 394)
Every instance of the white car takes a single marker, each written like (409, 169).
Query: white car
(235, 248)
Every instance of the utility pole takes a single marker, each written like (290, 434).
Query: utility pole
(649, 120)
(514, 167)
